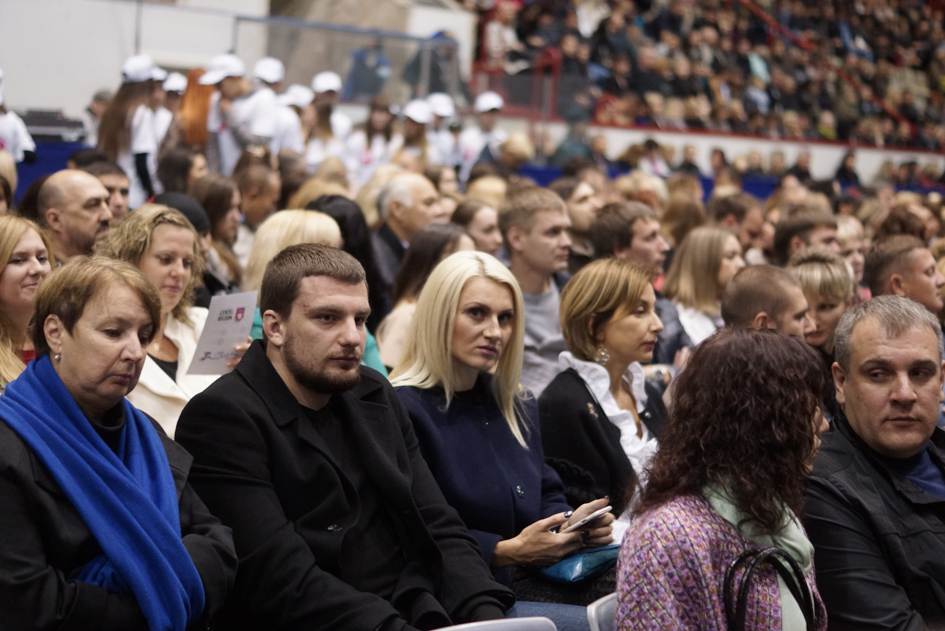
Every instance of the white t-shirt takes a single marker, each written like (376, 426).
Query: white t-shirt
(334, 147)
(162, 122)
(361, 160)
(288, 131)
(14, 136)
(143, 140)
(446, 147)
(471, 143)
(256, 110)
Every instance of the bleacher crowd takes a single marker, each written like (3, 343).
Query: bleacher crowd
(459, 383)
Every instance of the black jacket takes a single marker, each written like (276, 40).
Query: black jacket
(879, 540)
(261, 465)
(583, 446)
(44, 542)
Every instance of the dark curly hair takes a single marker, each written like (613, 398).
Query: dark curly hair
(742, 420)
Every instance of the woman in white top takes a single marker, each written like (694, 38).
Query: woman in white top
(600, 420)
(374, 145)
(162, 243)
(330, 129)
(704, 263)
(127, 133)
(417, 115)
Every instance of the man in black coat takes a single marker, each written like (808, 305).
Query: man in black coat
(312, 461)
(875, 509)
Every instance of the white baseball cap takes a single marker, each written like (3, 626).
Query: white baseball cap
(297, 95)
(138, 68)
(418, 111)
(442, 105)
(269, 69)
(175, 82)
(221, 67)
(488, 101)
(326, 82)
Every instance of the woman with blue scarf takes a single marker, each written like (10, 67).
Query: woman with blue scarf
(99, 529)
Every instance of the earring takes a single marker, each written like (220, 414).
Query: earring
(602, 355)
(57, 356)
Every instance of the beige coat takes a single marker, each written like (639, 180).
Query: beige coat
(156, 393)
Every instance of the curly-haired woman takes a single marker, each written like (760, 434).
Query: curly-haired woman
(729, 478)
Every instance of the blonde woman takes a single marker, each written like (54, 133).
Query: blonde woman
(24, 263)
(478, 429)
(828, 284)
(292, 227)
(853, 247)
(704, 263)
(162, 244)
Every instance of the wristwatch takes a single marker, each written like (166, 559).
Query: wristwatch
(661, 375)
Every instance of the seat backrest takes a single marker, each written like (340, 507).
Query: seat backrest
(509, 624)
(600, 613)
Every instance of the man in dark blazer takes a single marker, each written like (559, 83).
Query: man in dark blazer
(312, 461)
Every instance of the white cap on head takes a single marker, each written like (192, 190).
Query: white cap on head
(297, 95)
(221, 67)
(488, 101)
(269, 69)
(176, 82)
(418, 111)
(442, 105)
(138, 68)
(326, 82)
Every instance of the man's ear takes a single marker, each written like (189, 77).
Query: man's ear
(396, 210)
(763, 321)
(53, 329)
(895, 285)
(53, 220)
(514, 237)
(273, 328)
(839, 380)
(622, 253)
(796, 245)
(728, 221)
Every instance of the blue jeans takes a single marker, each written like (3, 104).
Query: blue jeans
(565, 617)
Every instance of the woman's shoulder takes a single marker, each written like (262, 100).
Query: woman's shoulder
(685, 522)
(564, 389)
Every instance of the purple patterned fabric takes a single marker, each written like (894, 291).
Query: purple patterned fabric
(671, 571)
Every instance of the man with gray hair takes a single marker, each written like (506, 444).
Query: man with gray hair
(406, 203)
(875, 509)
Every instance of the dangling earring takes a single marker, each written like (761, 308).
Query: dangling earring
(57, 357)
(602, 355)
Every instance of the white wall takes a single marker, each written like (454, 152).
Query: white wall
(57, 53)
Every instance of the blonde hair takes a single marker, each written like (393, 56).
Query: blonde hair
(693, 277)
(130, 240)
(8, 170)
(313, 188)
(285, 228)
(490, 189)
(599, 292)
(849, 229)
(823, 273)
(427, 359)
(12, 229)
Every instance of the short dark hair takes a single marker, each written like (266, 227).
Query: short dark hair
(564, 187)
(755, 289)
(284, 273)
(736, 205)
(255, 176)
(519, 209)
(612, 227)
(887, 257)
(173, 169)
(82, 158)
(103, 167)
(427, 248)
(799, 225)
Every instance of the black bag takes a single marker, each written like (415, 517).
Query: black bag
(786, 567)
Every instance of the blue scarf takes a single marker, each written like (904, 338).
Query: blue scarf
(128, 501)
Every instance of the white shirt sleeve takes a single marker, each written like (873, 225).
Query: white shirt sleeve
(143, 138)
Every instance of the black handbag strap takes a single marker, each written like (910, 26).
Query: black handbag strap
(786, 567)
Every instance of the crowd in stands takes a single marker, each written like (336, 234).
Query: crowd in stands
(871, 73)
(457, 381)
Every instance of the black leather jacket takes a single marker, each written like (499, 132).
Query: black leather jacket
(879, 540)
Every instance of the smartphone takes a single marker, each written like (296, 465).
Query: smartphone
(587, 519)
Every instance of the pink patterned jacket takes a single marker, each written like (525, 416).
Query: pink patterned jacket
(671, 572)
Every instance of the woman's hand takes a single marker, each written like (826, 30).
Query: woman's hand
(240, 350)
(599, 532)
(537, 545)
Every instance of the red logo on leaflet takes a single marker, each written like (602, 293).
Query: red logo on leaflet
(240, 312)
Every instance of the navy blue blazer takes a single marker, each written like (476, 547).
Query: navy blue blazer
(497, 486)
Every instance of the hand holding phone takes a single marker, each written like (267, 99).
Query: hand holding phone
(587, 520)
